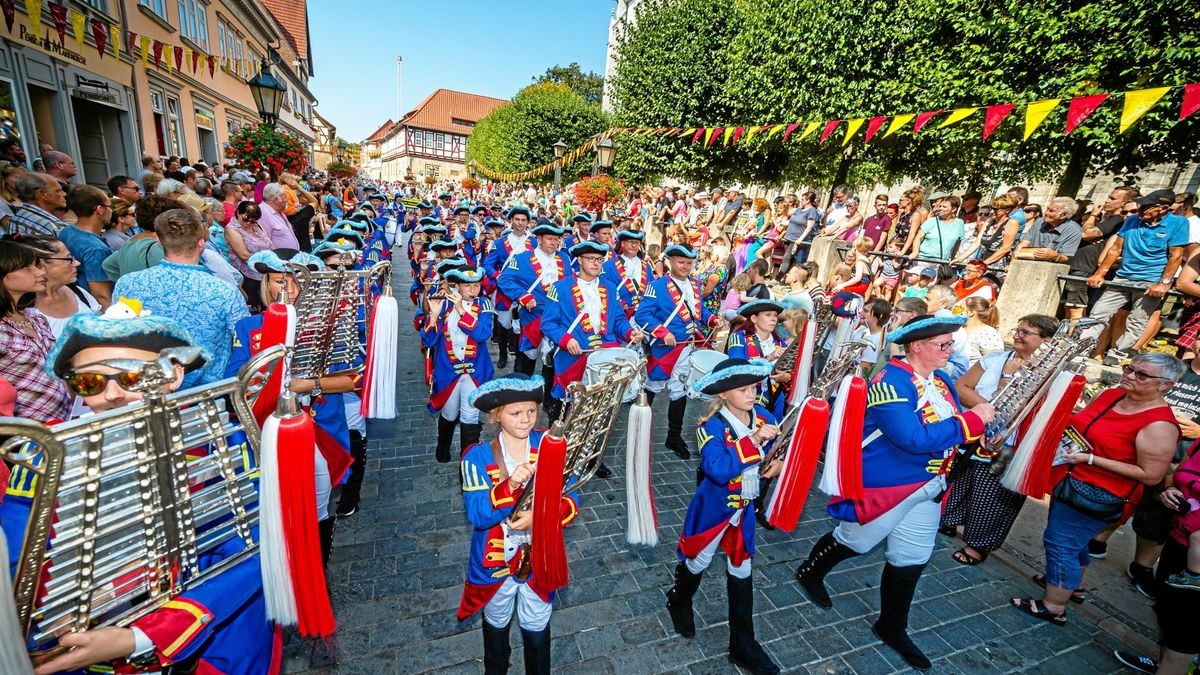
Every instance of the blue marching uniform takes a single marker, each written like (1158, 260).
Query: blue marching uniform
(747, 345)
(657, 315)
(566, 317)
(475, 363)
(630, 290)
(520, 280)
(499, 253)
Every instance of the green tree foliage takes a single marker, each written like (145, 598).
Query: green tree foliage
(520, 135)
(589, 85)
(709, 62)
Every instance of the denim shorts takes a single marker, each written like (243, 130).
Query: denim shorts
(1066, 541)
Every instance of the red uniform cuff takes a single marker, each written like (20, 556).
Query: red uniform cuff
(661, 332)
(747, 451)
(527, 300)
(174, 626)
(973, 427)
(503, 496)
(467, 321)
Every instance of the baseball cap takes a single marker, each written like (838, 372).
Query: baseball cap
(929, 272)
(241, 177)
(1158, 197)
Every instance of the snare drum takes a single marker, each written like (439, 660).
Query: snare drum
(701, 363)
(600, 361)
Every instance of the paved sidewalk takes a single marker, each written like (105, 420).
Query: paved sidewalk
(398, 566)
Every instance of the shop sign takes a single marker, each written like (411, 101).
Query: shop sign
(52, 46)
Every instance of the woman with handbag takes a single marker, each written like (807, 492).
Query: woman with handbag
(1126, 439)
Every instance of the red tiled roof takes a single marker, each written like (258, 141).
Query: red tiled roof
(439, 110)
(292, 15)
(381, 132)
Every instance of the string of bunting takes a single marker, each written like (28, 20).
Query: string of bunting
(110, 38)
(1136, 103)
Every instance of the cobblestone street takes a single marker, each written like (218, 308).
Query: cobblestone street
(398, 567)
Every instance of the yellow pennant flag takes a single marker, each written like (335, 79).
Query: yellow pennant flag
(852, 127)
(114, 37)
(708, 135)
(187, 58)
(1036, 113)
(145, 45)
(776, 129)
(77, 21)
(897, 122)
(809, 130)
(750, 133)
(688, 132)
(1138, 103)
(168, 54)
(728, 135)
(35, 16)
(957, 116)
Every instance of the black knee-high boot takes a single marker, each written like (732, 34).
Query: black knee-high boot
(496, 649)
(501, 339)
(523, 364)
(760, 505)
(445, 438)
(325, 530)
(649, 396)
(679, 600)
(826, 553)
(537, 651)
(553, 411)
(896, 590)
(468, 435)
(744, 649)
(675, 442)
(348, 504)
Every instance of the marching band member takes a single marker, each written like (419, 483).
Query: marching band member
(672, 313)
(442, 211)
(426, 225)
(733, 437)
(629, 272)
(602, 233)
(217, 627)
(494, 474)
(913, 423)
(456, 332)
(515, 240)
(757, 338)
(525, 279)
(581, 223)
(322, 397)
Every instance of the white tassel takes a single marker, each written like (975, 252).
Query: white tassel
(381, 403)
(829, 475)
(1020, 464)
(804, 364)
(641, 521)
(276, 573)
(13, 657)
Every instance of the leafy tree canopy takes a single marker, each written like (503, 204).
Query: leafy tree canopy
(588, 85)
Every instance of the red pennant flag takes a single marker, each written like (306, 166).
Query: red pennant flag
(699, 133)
(131, 40)
(788, 132)
(178, 58)
(100, 35)
(1191, 101)
(923, 119)
(212, 65)
(994, 116)
(737, 134)
(1081, 107)
(716, 134)
(156, 48)
(195, 61)
(873, 126)
(59, 14)
(10, 11)
(829, 127)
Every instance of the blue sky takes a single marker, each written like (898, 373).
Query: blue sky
(490, 48)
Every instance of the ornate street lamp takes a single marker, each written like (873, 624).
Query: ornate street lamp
(560, 149)
(267, 90)
(606, 153)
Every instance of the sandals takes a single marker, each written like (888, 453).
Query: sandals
(963, 558)
(1078, 596)
(1031, 607)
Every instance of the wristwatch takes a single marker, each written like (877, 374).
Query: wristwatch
(1165, 281)
(316, 390)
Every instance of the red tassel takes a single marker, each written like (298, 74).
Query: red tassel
(1037, 482)
(298, 500)
(850, 446)
(803, 454)
(274, 332)
(548, 553)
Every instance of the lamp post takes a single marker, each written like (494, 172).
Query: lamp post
(560, 149)
(606, 152)
(267, 90)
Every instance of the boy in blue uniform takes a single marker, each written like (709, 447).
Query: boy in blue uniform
(628, 271)
(734, 437)
(511, 242)
(581, 230)
(913, 423)
(757, 338)
(526, 278)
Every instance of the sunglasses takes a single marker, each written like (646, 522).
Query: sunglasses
(1139, 375)
(1129, 212)
(943, 346)
(90, 384)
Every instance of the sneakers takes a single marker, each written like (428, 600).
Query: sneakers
(1184, 581)
(1142, 578)
(346, 510)
(1117, 357)
(1142, 664)
(1098, 549)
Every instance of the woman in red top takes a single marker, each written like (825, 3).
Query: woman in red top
(1132, 436)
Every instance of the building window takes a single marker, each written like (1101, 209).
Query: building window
(193, 21)
(429, 140)
(99, 5)
(432, 169)
(441, 142)
(174, 128)
(461, 122)
(418, 139)
(159, 7)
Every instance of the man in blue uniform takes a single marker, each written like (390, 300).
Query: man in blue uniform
(515, 240)
(526, 278)
(628, 271)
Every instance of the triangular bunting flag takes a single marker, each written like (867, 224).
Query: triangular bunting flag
(957, 116)
(728, 135)
(707, 135)
(923, 119)
(187, 59)
(145, 48)
(100, 35)
(9, 7)
(809, 130)
(1080, 108)
(737, 134)
(58, 14)
(897, 123)
(993, 116)
(1191, 101)
(178, 54)
(78, 21)
(714, 136)
(852, 128)
(1138, 103)
(196, 61)
(688, 132)
(752, 132)
(787, 133)
(776, 129)
(829, 127)
(131, 42)
(114, 38)
(873, 127)
(1035, 114)
(212, 66)
(157, 49)
(34, 9)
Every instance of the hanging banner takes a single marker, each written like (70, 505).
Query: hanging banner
(923, 119)
(9, 7)
(58, 14)
(897, 123)
(1080, 108)
(78, 23)
(212, 66)
(1138, 103)
(957, 116)
(114, 38)
(157, 50)
(100, 35)
(34, 10)
(873, 127)
(852, 128)
(994, 116)
(1035, 114)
